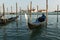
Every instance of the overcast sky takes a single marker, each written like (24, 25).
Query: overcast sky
(23, 4)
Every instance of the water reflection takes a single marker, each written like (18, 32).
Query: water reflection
(5, 34)
(35, 33)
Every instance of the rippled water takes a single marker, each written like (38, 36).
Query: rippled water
(22, 32)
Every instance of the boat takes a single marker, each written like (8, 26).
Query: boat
(35, 25)
(6, 21)
(12, 13)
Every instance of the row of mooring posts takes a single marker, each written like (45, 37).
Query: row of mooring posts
(29, 11)
(30, 16)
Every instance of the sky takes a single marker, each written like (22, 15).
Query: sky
(52, 4)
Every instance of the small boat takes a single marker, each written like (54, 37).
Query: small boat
(12, 13)
(6, 21)
(12, 19)
(36, 24)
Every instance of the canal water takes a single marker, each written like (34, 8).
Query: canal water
(22, 32)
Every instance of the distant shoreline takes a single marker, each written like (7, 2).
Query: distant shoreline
(36, 13)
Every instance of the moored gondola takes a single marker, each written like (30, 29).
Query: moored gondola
(6, 21)
(36, 25)
(39, 23)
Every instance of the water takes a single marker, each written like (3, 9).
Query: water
(11, 32)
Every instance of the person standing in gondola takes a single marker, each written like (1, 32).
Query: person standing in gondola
(41, 19)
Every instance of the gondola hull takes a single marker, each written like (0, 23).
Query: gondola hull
(6, 21)
(36, 25)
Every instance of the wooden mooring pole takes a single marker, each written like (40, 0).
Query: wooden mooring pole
(16, 16)
(30, 11)
(57, 21)
(57, 12)
(3, 10)
(46, 12)
(4, 13)
(20, 17)
(37, 11)
(0, 9)
(7, 9)
(4, 29)
(46, 17)
(11, 9)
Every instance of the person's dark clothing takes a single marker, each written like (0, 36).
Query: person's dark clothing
(42, 18)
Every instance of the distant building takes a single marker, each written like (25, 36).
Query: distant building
(41, 10)
(57, 11)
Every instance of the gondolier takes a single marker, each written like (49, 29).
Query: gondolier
(41, 19)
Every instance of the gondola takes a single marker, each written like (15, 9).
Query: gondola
(6, 21)
(36, 25)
